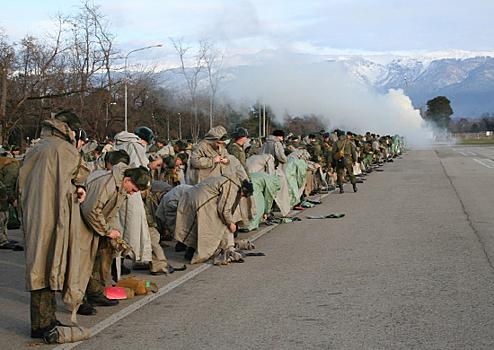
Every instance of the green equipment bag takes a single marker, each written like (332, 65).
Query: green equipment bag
(341, 152)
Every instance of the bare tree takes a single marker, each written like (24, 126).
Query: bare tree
(213, 60)
(6, 55)
(191, 75)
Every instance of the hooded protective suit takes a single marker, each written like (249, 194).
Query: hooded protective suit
(310, 182)
(105, 195)
(205, 213)
(132, 213)
(296, 172)
(265, 189)
(51, 222)
(264, 163)
(167, 209)
(202, 165)
(274, 147)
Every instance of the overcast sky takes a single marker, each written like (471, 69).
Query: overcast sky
(318, 27)
(306, 26)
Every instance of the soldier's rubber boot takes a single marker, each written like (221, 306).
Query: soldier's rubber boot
(86, 308)
(341, 189)
(355, 188)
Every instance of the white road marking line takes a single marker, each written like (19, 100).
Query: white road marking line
(486, 162)
(12, 264)
(146, 300)
(467, 153)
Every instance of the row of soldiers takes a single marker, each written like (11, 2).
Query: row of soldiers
(88, 208)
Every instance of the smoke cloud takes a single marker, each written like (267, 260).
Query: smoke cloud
(328, 90)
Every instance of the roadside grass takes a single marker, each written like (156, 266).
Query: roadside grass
(477, 142)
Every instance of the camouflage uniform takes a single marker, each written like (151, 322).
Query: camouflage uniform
(350, 158)
(9, 172)
(238, 151)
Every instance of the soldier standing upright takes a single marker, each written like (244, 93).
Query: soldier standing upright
(346, 162)
(9, 172)
(235, 148)
(274, 146)
(49, 201)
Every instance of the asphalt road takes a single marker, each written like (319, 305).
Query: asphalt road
(410, 266)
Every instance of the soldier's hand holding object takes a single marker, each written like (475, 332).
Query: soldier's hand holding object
(217, 159)
(233, 227)
(114, 234)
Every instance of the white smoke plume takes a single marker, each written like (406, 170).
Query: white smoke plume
(328, 90)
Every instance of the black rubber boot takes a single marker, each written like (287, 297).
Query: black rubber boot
(86, 309)
(189, 253)
(98, 299)
(341, 189)
(355, 188)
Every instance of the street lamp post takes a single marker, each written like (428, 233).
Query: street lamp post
(125, 78)
(168, 128)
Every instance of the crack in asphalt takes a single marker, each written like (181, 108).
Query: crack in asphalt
(481, 241)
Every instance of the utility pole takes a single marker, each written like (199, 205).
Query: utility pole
(125, 75)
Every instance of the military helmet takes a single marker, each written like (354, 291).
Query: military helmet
(145, 133)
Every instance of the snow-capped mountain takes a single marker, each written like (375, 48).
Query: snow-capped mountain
(465, 78)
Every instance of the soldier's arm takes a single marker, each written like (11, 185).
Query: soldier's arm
(280, 153)
(10, 175)
(354, 152)
(200, 161)
(226, 202)
(92, 210)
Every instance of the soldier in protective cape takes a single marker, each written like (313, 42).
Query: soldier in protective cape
(106, 192)
(209, 157)
(49, 196)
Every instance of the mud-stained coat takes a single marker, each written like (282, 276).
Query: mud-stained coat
(50, 213)
(205, 213)
(202, 165)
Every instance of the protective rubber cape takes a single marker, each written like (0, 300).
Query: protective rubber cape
(265, 188)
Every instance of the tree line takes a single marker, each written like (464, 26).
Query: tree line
(78, 65)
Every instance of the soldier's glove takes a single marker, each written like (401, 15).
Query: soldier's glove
(119, 245)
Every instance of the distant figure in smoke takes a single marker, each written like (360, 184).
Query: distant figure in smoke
(346, 162)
